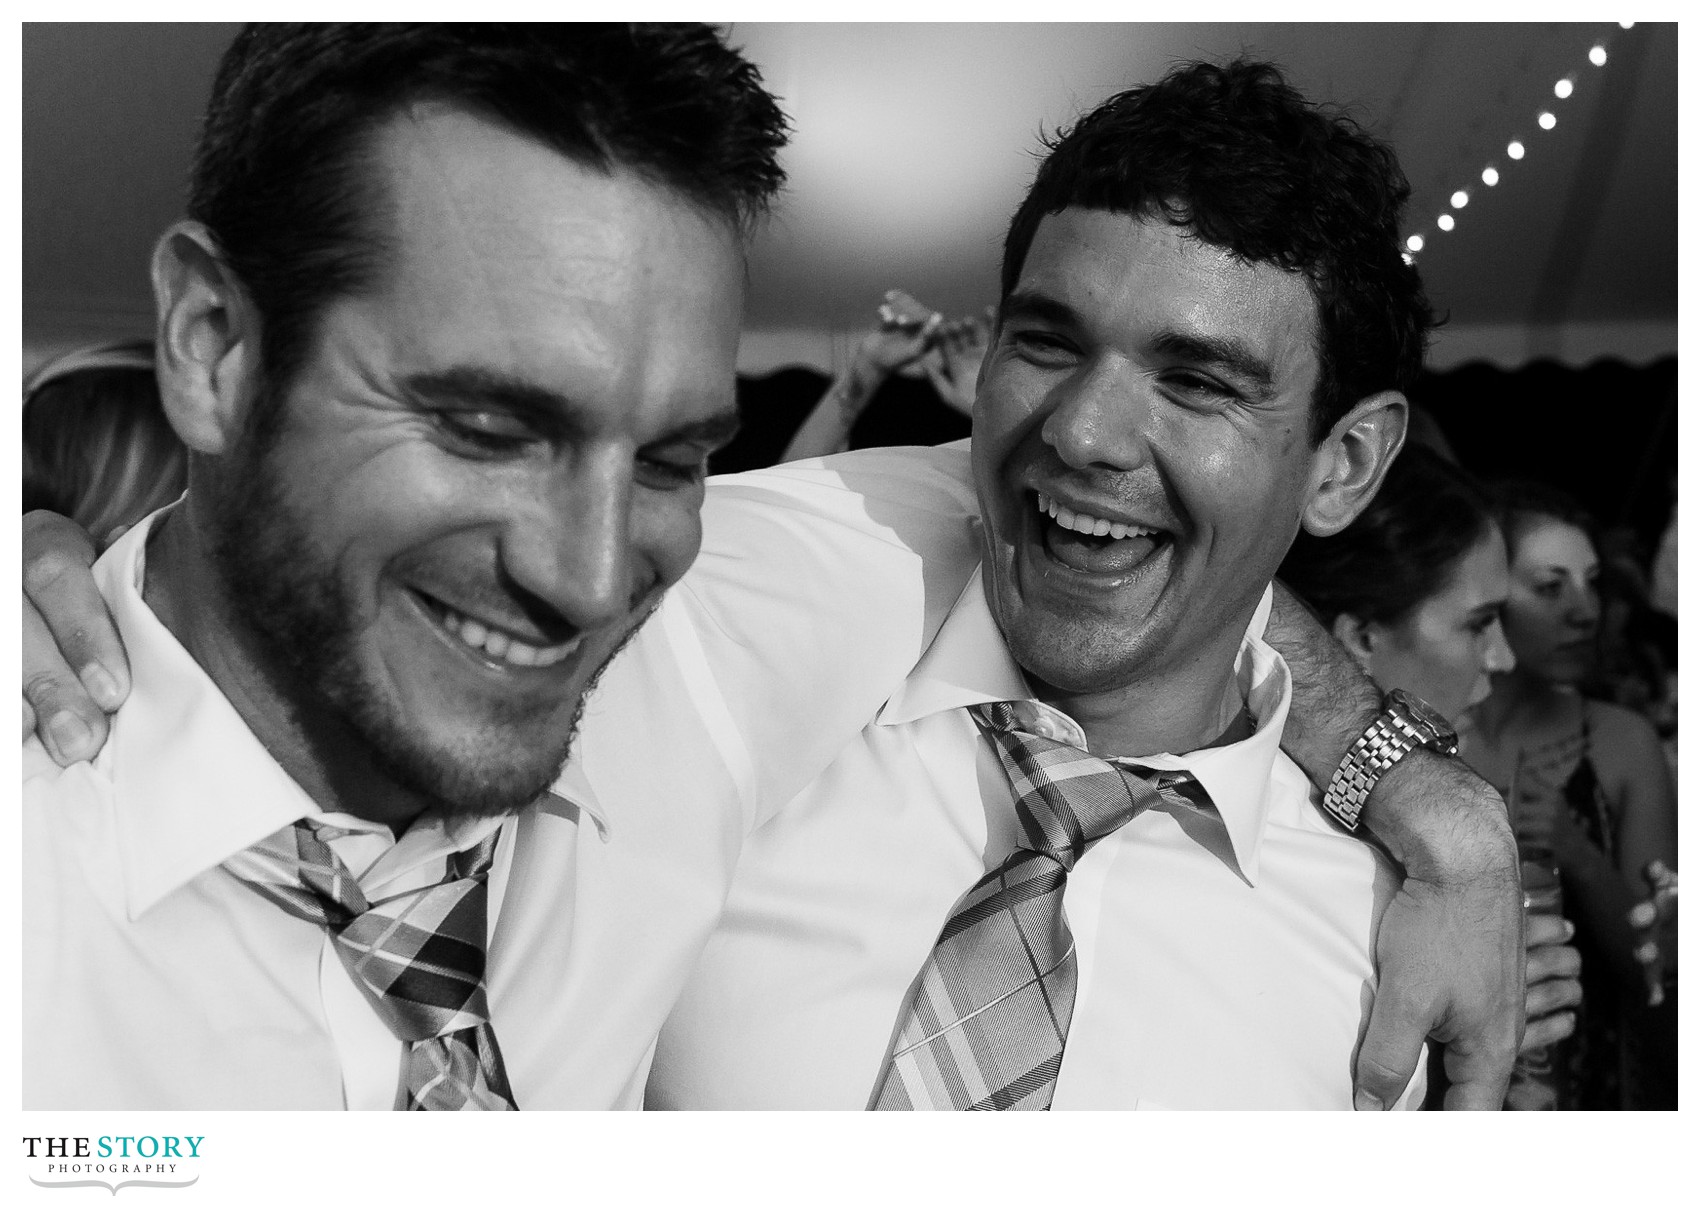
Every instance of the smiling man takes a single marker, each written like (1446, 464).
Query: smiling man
(430, 500)
(449, 335)
(1067, 864)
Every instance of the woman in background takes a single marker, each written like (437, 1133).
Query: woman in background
(1586, 781)
(97, 446)
(1414, 589)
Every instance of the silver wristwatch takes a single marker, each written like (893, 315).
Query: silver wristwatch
(1405, 722)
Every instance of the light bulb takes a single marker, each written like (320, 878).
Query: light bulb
(1490, 175)
(1547, 120)
(1597, 56)
(1563, 88)
(1444, 222)
(1514, 149)
(1460, 200)
(1415, 244)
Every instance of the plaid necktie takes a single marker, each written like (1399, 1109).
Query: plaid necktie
(418, 958)
(988, 1019)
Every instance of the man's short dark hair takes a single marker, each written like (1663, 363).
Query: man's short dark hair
(278, 176)
(1239, 158)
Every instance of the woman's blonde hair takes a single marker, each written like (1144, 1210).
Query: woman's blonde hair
(97, 447)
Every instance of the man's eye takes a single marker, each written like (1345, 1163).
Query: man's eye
(672, 472)
(495, 431)
(1195, 386)
(1040, 344)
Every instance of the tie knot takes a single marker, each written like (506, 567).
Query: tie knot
(1065, 798)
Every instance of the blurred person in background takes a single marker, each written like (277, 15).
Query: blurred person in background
(1414, 589)
(97, 447)
(1586, 783)
(910, 339)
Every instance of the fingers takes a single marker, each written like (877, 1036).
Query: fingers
(1388, 1056)
(1479, 1071)
(1545, 1032)
(74, 666)
(73, 727)
(57, 558)
(1550, 963)
(1547, 930)
(904, 311)
(1559, 993)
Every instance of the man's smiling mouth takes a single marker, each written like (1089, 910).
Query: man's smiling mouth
(494, 644)
(1091, 544)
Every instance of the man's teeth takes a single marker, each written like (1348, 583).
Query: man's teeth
(500, 646)
(1086, 523)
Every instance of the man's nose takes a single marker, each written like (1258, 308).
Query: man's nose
(570, 545)
(1100, 419)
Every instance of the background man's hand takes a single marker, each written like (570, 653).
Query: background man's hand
(1552, 985)
(1450, 952)
(953, 368)
(74, 667)
(906, 332)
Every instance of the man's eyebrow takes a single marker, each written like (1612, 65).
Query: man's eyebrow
(476, 386)
(1226, 353)
(1032, 305)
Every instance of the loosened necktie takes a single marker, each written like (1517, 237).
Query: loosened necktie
(988, 1019)
(418, 957)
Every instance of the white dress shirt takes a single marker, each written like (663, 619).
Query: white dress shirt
(153, 980)
(1225, 959)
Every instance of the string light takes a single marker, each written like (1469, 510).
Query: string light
(1563, 88)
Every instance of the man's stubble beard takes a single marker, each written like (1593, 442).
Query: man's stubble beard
(299, 624)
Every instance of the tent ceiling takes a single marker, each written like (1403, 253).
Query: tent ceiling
(914, 142)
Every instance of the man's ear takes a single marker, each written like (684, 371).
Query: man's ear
(1355, 635)
(1352, 460)
(208, 344)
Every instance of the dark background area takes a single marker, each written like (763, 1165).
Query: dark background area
(1605, 432)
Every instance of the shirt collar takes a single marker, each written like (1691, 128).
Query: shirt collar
(968, 663)
(192, 785)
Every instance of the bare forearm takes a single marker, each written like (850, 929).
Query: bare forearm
(826, 430)
(1428, 810)
(1333, 698)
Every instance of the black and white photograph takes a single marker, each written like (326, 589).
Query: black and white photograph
(846, 566)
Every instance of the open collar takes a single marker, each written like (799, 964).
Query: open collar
(192, 784)
(968, 662)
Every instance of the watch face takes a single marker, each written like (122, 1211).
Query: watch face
(1438, 727)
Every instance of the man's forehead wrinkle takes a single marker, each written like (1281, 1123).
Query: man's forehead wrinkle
(504, 265)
